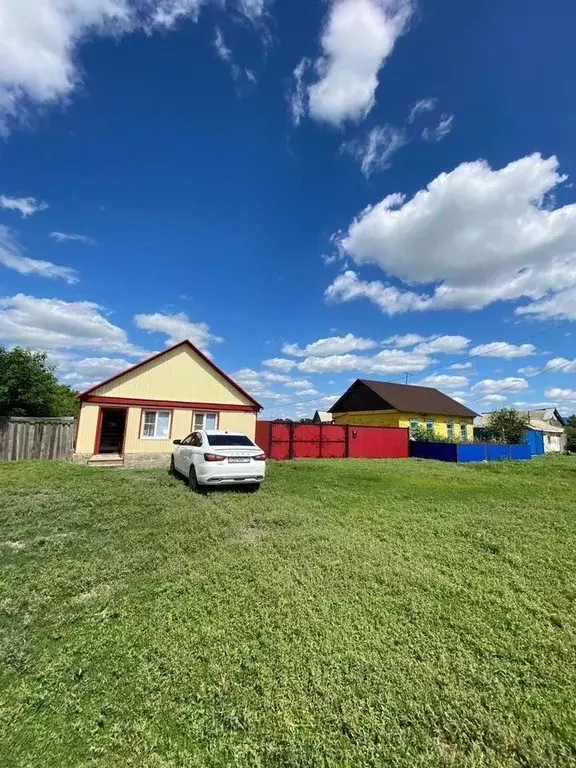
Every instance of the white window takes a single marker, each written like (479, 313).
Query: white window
(156, 425)
(450, 428)
(205, 421)
(414, 426)
(463, 431)
(430, 425)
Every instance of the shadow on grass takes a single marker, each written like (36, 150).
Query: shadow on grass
(205, 489)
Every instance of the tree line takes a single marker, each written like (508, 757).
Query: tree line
(29, 387)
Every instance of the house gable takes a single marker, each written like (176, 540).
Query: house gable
(180, 374)
(359, 397)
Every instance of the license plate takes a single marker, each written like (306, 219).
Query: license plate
(239, 460)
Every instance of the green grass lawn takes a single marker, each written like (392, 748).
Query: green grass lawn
(353, 613)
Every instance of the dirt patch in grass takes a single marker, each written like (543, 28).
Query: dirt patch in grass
(252, 533)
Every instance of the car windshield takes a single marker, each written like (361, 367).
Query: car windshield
(224, 440)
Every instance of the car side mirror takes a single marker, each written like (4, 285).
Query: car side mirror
(177, 442)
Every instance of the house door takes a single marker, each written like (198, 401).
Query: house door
(112, 426)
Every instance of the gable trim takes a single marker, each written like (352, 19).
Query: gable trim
(139, 403)
(83, 395)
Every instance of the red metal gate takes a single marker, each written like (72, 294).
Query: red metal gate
(330, 441)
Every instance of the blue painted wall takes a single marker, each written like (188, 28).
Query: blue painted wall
(535, 439)
(465, 453)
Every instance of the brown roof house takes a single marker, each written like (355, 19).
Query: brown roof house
(382, 403)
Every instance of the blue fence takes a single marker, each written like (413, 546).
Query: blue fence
(535, 439)
(465, 453)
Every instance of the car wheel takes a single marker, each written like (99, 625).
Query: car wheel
(192, 480)
(172, 469)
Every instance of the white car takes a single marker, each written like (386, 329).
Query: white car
(213, 457)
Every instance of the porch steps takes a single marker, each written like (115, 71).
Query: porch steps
(106, 460)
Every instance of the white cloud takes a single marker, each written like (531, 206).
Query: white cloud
(176, 328)
(297, 96)
(566, 395)
(39, 45)
(80, 374)
(461, 366)
(421, 107)
(310, 391)
(561, 365)
(299, 384)
(26, 206)
(480, 235)
(495, 398)
(407, 340)
(222, 51)
(444, 381)
(377, 149)
(561, 305)
(64, 237)
(386, 362)
(440, 131)
(448, 345)
(492, 386)
(333, 345)
(53, 324)
(358, 37)
(529, 370)
(391, 300)
(504, 350)
(11, 257)
(279, 364)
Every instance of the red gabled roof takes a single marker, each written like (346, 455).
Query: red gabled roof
(165, 351)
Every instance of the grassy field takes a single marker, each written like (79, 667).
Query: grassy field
(351, 614)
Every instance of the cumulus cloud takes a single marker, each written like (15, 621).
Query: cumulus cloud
(406, 340)
(299, 384)
(561, 365)
(82, 373)
(495, 398)
(176, 328)
(386, 362)
(448, 345)
(375, 152)
(444, 381)
(461, 366)
(529, 370)
(504, 350)
(333, 345)
(358, 37)
(564, 395)
(38, 50)
(11, 256)
(26, 206)
(70, 237)
(492, 386)
(53, 324)
(279, 364)
(479, 235)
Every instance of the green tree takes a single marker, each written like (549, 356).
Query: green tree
(506, 426)
(571, 434)
(28, 386)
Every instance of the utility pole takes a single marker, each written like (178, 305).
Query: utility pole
(406, 377)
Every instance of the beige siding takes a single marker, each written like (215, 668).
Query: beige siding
(238, 422)
(179, 375)
(87, 424)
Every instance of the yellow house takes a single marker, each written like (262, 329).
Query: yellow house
(381, 403)
(132, 418)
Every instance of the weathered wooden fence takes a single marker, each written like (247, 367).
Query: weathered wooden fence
(31, 437)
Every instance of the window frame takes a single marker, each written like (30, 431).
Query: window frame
(431, 425)
(463, 431)
(414, 426)
(156, 411)
(204, 414)
(450, 429)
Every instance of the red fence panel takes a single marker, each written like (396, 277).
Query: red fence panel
(378, 443)
(330, 441)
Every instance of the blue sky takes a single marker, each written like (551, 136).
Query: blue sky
(312, 192)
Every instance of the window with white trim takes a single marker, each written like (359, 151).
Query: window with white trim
(156, 425)
(204, 421)
(450, 429)
(463, 432)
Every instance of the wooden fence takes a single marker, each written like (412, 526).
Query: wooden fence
(31, 437)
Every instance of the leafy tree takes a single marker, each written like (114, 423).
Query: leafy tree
(506, 426)
(571, 434)
(425, 435)
(28, 386)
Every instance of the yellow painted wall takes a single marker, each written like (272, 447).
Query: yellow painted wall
(403, 419)
(86, 431)
(178, 375)
(182, 422)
